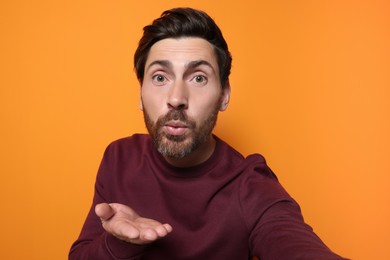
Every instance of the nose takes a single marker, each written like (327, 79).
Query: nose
(178, 96)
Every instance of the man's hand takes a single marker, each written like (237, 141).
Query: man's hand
(124, 223)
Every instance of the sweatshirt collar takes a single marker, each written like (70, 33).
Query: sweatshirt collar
(187, 172)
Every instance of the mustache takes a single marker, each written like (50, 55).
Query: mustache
(176, 115)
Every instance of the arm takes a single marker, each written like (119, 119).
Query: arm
(120, 233)
(113, 231)
(281, 233)
(274, 219)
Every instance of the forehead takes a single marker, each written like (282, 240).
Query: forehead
(182, 51)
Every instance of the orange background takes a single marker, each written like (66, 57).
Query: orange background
(311, 92)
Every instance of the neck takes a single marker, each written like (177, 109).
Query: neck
(200, 155)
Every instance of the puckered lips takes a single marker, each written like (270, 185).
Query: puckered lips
(175, 127)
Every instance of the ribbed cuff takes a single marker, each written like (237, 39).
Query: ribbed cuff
(120, 249)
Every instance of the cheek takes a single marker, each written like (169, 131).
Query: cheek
(152, 104)
(202, 108)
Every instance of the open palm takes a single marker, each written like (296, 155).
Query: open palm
(124, 223)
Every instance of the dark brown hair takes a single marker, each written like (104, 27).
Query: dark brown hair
(184, 22)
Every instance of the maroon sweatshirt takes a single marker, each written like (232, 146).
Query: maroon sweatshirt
(229, 207)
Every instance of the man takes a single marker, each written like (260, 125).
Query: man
(181, 192)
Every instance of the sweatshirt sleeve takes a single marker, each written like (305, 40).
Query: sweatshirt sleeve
(94, 242)
(275, 222)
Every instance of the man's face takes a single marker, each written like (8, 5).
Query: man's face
(181, 95)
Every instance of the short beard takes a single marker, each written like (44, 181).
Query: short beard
(180, 146)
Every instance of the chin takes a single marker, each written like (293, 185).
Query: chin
(177, 149)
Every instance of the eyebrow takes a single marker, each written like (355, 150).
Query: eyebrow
(190, 65)
(197, 63)
(163, 63)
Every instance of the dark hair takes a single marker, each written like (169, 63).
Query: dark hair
(183, 22)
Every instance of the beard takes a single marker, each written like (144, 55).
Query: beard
(180, 146)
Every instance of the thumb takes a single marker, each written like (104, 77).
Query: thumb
(104, 211)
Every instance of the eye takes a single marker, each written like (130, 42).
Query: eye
(200, 79)
(159, 79)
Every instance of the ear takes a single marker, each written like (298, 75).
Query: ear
(141, 106)
(225, 97)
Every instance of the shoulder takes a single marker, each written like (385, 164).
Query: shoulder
(253, 166)
(123, 154)
(259, 184)
(257, 166)
(258, 178)
(127, 148)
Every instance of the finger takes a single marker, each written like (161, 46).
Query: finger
(149, 234)
(163, 230)
(104, 211)
(129, 232)
(168, 227)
